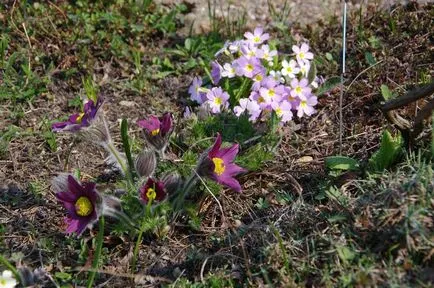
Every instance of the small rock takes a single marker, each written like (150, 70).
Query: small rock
(304, 159)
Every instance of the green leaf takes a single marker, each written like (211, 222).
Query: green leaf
(312, 73)
(390, 149)
(370, 59)
(126, 145)
(329, 85)
(385, 92)
(341, 163)
(63, 276)
(329, 56)
(187, 44)
(345, 253)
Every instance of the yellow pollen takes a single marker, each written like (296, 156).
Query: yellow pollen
(303, 103)
(301, 55)
(219, 165)
(289, 69)
(79, 118)
(83, 206)
(257, 39)
(249, 67)
(151, 194)
(218, 101)
(258, 77)
(298, 90)
(271, 92)
(155, 132)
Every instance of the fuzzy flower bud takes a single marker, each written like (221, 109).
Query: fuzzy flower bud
(146, 162)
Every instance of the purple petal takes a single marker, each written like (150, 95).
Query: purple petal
(233, 169)
(66, 197)
(74, 187)
(166, 123)
(230, 182)
(72, 225)
(228, 154)
(82, 224)
(151, 124)
(216, 147)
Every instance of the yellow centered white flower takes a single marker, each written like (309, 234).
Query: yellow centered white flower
(249, 67)
(303, 103)
(151, 194)
(257, 39)
(7, 280)
(219, 165)
(83, 206)
(218, 101)
(289, 69)
(301, 55)
(155, 132)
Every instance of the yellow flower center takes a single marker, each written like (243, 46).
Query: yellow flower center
(289, 69)
(258, 77)
(278, 112)
(303, 103)
(290, 98)
(271, 92)
(301, 55)
(261, 99)
(83, 206)
(257, 39)
(298, 90)
(151, 194)
(155, 132)
(79, 118)
(251, 53)
(219, 165)
(249, 67)
(218, 101)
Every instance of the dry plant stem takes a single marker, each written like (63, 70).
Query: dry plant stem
(341, 96)
(99, 242)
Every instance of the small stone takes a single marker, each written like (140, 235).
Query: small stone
(304, 159)
(127, 103)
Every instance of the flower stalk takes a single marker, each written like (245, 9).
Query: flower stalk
(96, 259)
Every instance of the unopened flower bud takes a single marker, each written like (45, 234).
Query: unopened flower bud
(146, 163)
(172, 182)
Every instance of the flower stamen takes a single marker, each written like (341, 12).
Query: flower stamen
(219, 165)
(83, 206)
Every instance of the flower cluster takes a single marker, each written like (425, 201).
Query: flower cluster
(259, 80)
(85, 204)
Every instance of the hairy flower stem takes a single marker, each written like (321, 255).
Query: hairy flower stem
(99, 242)
(113, 151)
(139, 237)
(186, 189)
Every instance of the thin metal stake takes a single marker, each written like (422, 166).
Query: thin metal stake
(344, 40)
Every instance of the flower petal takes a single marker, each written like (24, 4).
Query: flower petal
(230, 182)
(74, 186)
(216, 147)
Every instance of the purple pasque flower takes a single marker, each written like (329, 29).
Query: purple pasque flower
(306, 105)
(257, 37)
(302, 53)
(217, 99)
(300, 88)
(157, 129)
(152, 191)
(81, 202)
(247, 67)
(267, 53)
(217, 164)
(271, 91)
(228, 71)
(80, 120)
(251, 106)
(194, 90)
(216, 72)
(283, 110)
(289, 68)
(250, 51)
